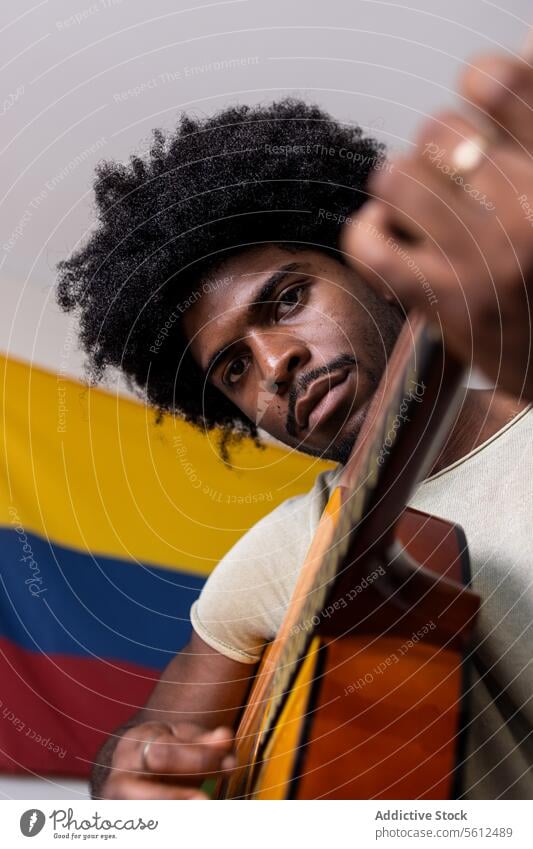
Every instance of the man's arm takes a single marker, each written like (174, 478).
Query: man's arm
(189, 719)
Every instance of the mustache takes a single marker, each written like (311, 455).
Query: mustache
(305, 380)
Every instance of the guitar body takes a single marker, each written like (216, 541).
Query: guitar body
(375, 712)
(361, 694)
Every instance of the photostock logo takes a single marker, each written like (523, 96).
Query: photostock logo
(32, 822)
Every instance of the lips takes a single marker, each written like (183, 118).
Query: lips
(315, 399)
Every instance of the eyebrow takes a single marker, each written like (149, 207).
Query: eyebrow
(258, 300)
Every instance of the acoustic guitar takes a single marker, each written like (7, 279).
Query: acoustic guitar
(362, 693)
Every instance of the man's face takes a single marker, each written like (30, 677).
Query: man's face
(296, 341)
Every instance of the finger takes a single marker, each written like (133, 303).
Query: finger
(440, 137)
(220, 736)
(422, 205)
(175, 749)
(124, 787)
(502, 88)
(183, 732)
(362, 242)
(447, 142)
(178, 753)
(195, 760)
(388, 263)
(390, 188)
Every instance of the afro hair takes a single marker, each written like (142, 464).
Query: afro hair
(167, 220)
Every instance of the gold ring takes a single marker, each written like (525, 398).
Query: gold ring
(146, 747)
(144, 766)
(469, 154)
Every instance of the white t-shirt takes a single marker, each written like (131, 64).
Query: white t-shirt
(489, 492)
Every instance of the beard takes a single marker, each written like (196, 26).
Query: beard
(338, 451)
(342, 448)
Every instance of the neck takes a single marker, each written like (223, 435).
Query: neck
(483, 413)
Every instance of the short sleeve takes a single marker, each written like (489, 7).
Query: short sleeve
(245, 598)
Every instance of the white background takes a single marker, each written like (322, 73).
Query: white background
(381, 64)
(348, 824)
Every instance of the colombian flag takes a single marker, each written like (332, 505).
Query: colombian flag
(109, 525)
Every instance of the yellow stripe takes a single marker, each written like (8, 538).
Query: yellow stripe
(282, 750)
(93, 471)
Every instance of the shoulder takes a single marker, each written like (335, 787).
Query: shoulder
(243, 601)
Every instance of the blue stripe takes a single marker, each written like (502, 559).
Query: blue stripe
(61, 600)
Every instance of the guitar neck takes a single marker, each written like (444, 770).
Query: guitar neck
(406, 425)
(404, 429)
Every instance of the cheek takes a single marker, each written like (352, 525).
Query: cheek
(334, 323)
(259, 405)
(267, 411)
(331, 337)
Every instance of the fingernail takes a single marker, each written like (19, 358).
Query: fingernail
(218, 734)
(229, 762)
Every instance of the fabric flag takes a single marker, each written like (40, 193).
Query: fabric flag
(109, 524)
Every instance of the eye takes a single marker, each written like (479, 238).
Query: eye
(235, 370)
(289, 301)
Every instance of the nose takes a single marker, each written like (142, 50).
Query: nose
(279, 357)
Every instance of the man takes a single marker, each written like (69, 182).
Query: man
(213, 279)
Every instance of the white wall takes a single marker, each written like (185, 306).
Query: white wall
(62, 101)
(26, 787)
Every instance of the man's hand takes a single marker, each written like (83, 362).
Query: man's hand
(154, 759)
(167, 761)
(458, 243)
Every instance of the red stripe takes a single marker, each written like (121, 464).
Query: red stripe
(56, 710)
